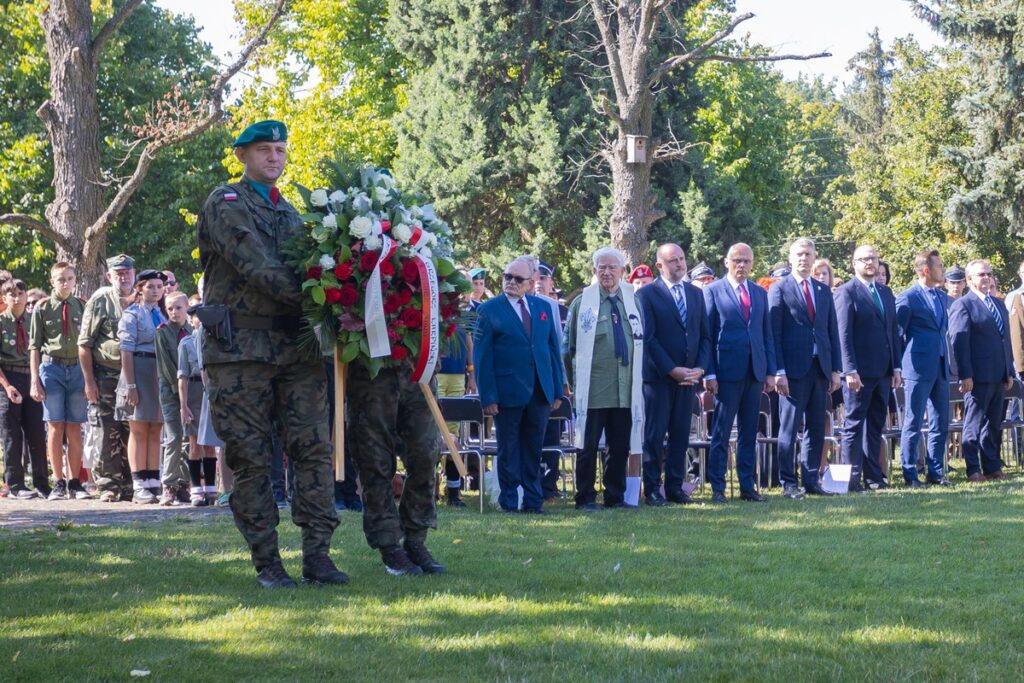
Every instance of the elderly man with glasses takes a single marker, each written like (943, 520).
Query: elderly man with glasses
(519, 375)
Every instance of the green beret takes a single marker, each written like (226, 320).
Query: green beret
(264, 131)
(120, 261)
(477, 273)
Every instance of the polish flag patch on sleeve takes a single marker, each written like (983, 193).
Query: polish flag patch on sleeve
(231, 196)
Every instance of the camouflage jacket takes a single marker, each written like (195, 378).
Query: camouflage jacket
(240, 240)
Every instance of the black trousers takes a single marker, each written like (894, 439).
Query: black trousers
(615, 424)
(21, 425)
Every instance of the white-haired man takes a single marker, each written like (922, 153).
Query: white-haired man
(604, 356)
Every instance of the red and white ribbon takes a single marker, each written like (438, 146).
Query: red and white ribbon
(376, 325)
(430, 334)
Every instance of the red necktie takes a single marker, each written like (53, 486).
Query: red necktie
(181, 333)
(275, 194)
(65, 320)
(21, 338)
(745, 303)
(810, 304)
(525, 315)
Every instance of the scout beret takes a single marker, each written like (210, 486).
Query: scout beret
(120, 261)
(263, 131)
(640, 271)
(781, 272)
(150, 274)
(701, 270)
(955, 274)
(477, 274)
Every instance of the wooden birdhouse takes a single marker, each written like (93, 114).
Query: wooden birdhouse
(636, 149)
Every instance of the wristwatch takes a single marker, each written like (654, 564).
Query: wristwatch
(130, 386)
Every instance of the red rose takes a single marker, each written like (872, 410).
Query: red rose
(399, 352)
(450, 331)
(387, 268)
(343, 271)
(385, 226)
(332, 295)
(393, 336)
(410, 273)
(392, 302)
(314, 273)
(348, 295)
(368, 261)
(411, 318)
(406, 296)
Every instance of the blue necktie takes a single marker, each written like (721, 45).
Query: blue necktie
(680, 296)
(621, 350)
(157, 320)
(878, 300)
(995, 314)
(937, 305)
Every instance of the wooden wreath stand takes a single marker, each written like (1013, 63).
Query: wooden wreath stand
(340, 370)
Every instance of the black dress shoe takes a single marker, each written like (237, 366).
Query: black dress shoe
(656, 500)
(752, 496)
(792, 491)
(717, 498)
(679, 498)
(932, 481)
(320, 570)
(274, 576)
(816, 490)
(418, 553)
(588, 507)
(914, 484)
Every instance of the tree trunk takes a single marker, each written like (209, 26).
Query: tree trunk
(631, 187)
(71, 117)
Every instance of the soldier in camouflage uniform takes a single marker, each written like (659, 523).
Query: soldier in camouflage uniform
(262, 376)
(99, 355)
(379, 411)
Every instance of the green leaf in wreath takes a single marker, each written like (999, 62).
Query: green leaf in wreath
(445, 267)
(349, 353)
(309, 283)
(344, 253)
(318, 295)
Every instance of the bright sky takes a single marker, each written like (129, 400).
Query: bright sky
(787, 26)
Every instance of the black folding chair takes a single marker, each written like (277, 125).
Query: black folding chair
(468, 412)
(566, 448)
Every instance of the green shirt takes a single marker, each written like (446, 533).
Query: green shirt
(47, 330)
(168, 336)
(9, 353)
(611, 382)
(99, 327)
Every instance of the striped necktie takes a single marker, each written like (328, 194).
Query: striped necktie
(680, 297)
(995, 314)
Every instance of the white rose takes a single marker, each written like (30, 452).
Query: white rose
(361, 202)
(426, 252)
(372, 243)
(360, 227)
(432, 240)
(387, 180)
(402, 232)
(416, 211)
(338, 196)
(381, 194)
(330, 221)
(318, 198)
(327, 262)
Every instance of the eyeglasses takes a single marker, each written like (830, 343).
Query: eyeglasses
(172, 282)
(509, 277)
(605, 267)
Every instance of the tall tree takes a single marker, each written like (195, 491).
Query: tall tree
(631, 32)
(87, 198)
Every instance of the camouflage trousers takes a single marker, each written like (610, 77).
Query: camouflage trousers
(173, 446)
(111, 471)
(379, 410)
(246, 399)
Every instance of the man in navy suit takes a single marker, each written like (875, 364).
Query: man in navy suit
(677, 348)
(519, 375)
(871, 350)
(742, 366)
(807, 362)
(979, 327)
(923, 321)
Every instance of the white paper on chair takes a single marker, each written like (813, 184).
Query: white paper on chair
(491, 484)
(837, 478)
(632, 496)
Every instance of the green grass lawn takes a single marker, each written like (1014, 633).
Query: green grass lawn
(884, 586)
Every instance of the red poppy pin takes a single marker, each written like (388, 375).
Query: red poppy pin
(543, 315)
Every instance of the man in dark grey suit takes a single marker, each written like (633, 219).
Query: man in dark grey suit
(677, 348)
(979, 327)
(872, 353)
(806, 334)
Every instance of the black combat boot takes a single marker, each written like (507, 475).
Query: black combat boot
(320, 570)
(418, 553)
(274, 576)
(397, 563)
(454, 497)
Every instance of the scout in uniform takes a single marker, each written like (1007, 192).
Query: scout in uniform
(57, 380)
(256, 372)
(99, 356)
(172, 452)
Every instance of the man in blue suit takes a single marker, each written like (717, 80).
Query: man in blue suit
(871, 350)
(921, 312)
(807, 362)
(519, 374)
(742, 366)
(979, 328)
(677, 348)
